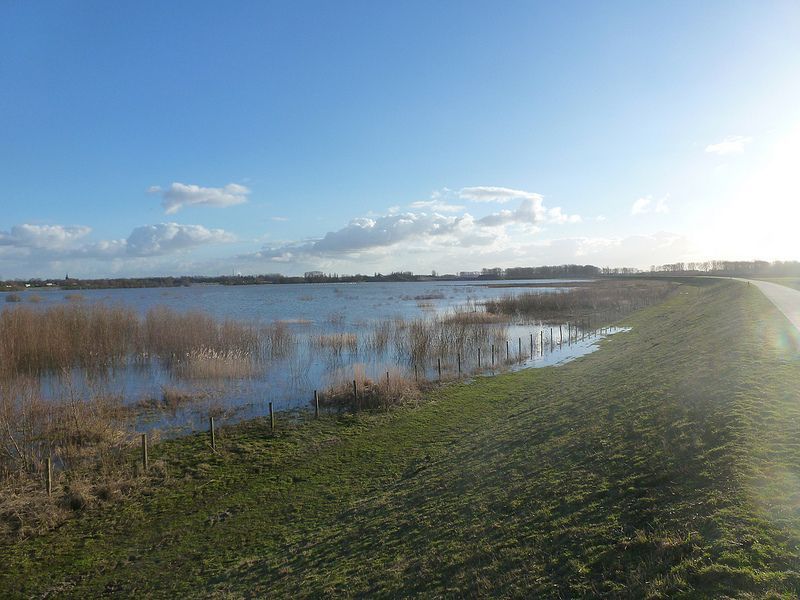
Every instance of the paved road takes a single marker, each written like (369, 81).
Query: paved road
(785, 298)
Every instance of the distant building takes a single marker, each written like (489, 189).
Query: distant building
(469, 274)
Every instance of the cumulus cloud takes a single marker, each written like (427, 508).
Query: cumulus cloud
(645, 205)
(47, 243)
(428, 230)
(165, 238)
(733, 144)
(179, 195)
(370, 234)
(490, 193)
(43, 236)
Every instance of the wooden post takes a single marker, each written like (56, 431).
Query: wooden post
(213, 435)
(416, 374)
(519, 351)
(479, 358)
(49, 476)
(459, 363)
(531, 346)
(541, 341)
(145, 462)
(271, 418)
(387, 381)
(355, 392)
(551, 339)
(492, 354)
(316, 405)
(560, 336)
(439, 366)
(508, 352)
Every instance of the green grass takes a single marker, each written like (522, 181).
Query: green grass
(665, 465)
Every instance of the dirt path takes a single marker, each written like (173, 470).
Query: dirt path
(785, 298)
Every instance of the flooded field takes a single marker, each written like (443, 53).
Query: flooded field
(169, 358)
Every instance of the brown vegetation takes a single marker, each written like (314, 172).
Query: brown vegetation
(393, 388)
(98, 336)
(607, 300)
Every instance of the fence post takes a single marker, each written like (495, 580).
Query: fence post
(316, 405)
(560, 335)
(49, 476)
(271, 418)
(519, 352)
(416, 374)
(531, 346)
(355, 392)
(551, 339)
(541, 341)
(508, 351)
(439, 366)
(387, 381)
(145, 462)
(492, 354)
(459, 363)
(213, 435)
(479, 358)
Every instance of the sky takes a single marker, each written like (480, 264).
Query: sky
(186, 138)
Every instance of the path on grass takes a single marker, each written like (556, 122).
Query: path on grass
(785, 298)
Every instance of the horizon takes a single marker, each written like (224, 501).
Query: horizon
(151, 140)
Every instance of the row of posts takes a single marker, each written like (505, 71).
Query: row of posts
(212, 429)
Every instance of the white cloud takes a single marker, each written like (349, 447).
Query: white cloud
(165, 238)
(279, 219)
(555, 215)
(437, 205)
(733, 144)
(179, 195)
(29, 249)
(43, 236)
(427, 231)
(489, 193)
(645, 205)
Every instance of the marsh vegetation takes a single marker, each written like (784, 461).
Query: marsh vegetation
(66, 372)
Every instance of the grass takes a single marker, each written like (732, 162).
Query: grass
(665, 465)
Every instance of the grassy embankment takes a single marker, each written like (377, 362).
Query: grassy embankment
(666, 464)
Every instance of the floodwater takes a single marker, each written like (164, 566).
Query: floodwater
(309, 310)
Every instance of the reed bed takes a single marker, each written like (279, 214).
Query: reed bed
(279, 338)
(613, 299)
(214, 364)
(88, 439)
(337, 343)
(393, 388)
(418, 340)
(98, 336)
(169, 334)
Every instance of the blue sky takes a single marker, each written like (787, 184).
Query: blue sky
(156, 138)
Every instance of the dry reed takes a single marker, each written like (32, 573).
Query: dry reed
(612, 298)
(382, 392)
